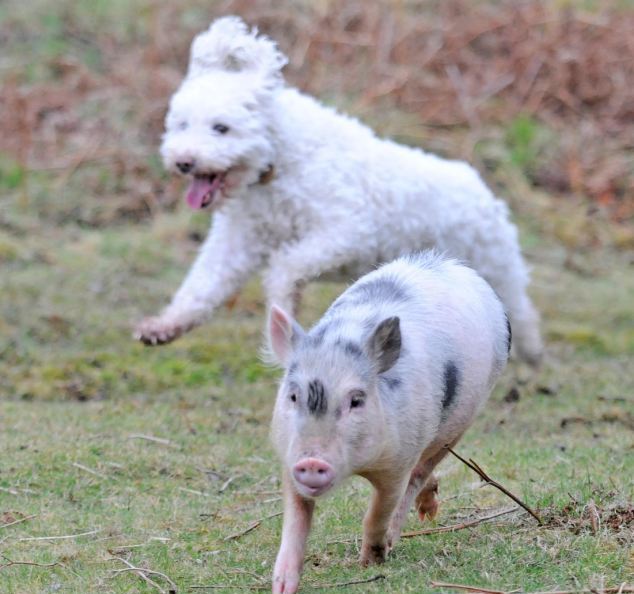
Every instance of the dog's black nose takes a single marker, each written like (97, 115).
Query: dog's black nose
(185, 166)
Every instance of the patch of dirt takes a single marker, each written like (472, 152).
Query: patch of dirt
(578, 518)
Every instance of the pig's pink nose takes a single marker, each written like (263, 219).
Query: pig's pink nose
(313, 473)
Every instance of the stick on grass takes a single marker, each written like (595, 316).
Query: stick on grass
(61, 537)
(11, 563)
(160, 440)
(455, 527)
(141, 572)
(24, 519)
(486, 478)
(468, 588)
(89, 470)
(622, 589)
(251, 527)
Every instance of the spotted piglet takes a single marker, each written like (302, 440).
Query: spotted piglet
(396, 370)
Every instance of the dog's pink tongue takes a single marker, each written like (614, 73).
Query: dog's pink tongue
(199, 188)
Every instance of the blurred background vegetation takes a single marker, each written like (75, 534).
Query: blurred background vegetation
(539, 93)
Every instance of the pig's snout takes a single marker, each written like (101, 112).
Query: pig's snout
(313, 476)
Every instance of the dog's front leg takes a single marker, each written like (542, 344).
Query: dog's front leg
(226, 260)
(290, 268)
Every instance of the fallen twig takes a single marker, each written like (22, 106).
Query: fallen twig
(622, 589)
(226, 484)
(467, 588)
(251, 526)
(248, 529)
(62, 537)
(193, 491)
(11, 563)
(89, 470)
(24, 519)
(375, 578)
(455, 527)
(160, 440)
(141, 572)
(476, 468)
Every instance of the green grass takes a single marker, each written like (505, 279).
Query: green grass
(76, 391)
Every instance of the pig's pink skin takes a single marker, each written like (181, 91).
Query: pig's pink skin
(457, 342)
(418, 478)
(388, 491)
(298, 513)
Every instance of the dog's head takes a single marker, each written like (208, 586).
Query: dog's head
(218, 127)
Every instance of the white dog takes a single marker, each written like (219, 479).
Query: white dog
(301, 191)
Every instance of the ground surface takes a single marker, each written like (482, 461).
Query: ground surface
(160, 457)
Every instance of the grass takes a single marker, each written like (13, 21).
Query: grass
(76, 389)
(77, 393)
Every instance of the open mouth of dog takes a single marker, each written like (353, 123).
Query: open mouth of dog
(204, 188)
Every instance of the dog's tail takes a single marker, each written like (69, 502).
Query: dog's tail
(231, 46)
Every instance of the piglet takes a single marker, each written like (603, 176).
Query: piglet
(395, 370)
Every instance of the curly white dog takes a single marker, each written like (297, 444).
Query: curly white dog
(302, 191)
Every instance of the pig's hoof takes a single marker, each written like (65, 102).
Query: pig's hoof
(427, 500)
(285, 582)
(155, 331)
(372, 554)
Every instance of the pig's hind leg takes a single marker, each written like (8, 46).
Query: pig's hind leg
(427, 500)
(422, 486)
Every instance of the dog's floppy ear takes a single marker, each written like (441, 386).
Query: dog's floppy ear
(231, 46)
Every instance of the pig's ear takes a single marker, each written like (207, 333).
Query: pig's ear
(385, 344)
(284, 332)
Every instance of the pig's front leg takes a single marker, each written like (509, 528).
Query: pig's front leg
(226, 260)
(385, 499)
(298, 513)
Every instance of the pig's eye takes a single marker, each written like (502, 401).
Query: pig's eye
(357, 399)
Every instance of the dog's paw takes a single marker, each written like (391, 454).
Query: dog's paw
(156, 330)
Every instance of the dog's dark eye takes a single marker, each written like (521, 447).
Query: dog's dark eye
(221, 128)
(357, 399)
(293, 397)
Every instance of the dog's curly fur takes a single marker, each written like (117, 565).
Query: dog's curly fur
(302, 191)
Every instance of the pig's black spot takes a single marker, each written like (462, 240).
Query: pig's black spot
(379, 289)
(350, 348)
(451, 384)
(317, 402)
(509, 337)
(390, 382)
(317, 334)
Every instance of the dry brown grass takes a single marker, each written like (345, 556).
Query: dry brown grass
(451, 66)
